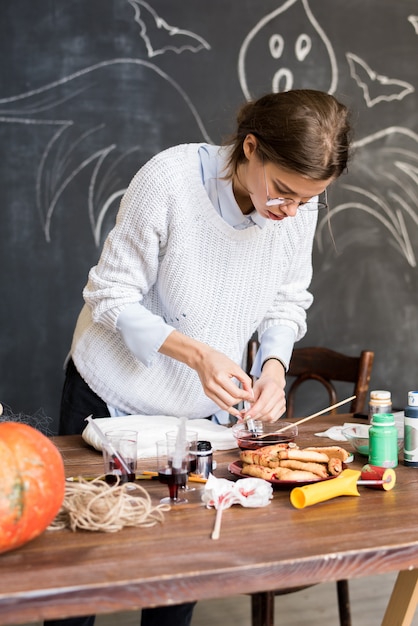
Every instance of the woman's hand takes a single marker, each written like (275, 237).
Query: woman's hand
(218, 374)
(269, 395)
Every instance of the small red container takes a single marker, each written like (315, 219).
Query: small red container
(372, 472)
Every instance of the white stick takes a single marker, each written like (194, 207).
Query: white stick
(178, 453)
(217, 527)
(305, 419)
(374, 482)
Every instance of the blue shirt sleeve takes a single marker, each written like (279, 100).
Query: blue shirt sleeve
(142, 331)
(276, 342)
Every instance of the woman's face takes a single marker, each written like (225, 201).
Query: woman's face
(260, 181)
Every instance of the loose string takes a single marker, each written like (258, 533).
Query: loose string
(97, 506)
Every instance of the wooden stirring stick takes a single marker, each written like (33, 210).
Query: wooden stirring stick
(305, 419)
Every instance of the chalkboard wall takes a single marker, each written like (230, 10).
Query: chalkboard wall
(91, 89)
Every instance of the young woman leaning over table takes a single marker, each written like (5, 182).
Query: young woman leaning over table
(210, 244)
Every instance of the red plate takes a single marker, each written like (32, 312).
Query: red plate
(236, 468)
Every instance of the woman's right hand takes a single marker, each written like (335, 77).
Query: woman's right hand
(219, 375)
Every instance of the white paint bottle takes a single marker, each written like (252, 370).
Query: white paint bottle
(410, 451)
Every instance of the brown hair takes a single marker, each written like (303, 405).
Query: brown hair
(302, 130)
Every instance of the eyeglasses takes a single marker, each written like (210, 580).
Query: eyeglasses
(310, 205)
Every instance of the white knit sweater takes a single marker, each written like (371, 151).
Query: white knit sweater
(173, 252)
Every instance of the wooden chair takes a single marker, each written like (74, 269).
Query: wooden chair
(324, 366)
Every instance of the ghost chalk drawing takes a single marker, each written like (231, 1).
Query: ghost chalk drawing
(285, 50)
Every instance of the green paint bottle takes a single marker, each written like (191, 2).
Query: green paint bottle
(383, 441)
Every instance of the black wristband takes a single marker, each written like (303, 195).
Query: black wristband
(273, 358)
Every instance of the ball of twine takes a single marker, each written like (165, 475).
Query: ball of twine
(98, 506)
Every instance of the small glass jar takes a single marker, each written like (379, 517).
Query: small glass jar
(204, 459)
(383, 441)
(380, 402)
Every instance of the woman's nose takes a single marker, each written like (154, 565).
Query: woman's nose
(291, 208)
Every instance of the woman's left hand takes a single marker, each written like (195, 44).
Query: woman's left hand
(269, 395)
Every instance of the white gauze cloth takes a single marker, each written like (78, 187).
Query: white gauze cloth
(151, 428)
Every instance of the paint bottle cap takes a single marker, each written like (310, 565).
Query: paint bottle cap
(380, 395)
(383, 419)
(412, 398)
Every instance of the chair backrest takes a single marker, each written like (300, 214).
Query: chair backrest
(326, 367)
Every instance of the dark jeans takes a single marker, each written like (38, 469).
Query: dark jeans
(77, 402)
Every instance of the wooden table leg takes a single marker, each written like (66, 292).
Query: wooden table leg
(403, 601)
(262, 608)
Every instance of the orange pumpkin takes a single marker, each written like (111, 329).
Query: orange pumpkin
(32, 484)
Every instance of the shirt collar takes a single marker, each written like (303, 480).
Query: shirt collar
(220, 190)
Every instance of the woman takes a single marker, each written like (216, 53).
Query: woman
(210, 245)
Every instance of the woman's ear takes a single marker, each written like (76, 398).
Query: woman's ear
(250, 145)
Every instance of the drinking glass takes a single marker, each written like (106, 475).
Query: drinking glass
(192, 438)
(172, 467)
(124, 442)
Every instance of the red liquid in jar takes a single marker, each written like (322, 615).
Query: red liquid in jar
(112, 479)
(174, 480)
(115, 471)
(248, 443)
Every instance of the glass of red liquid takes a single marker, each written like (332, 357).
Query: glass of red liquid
(125, 444)
(172, 468)
(192, 438)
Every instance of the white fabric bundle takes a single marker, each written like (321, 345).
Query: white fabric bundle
(151, 428)
(336, 432)
(249, 492)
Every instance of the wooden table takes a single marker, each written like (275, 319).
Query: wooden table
(63, 574)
